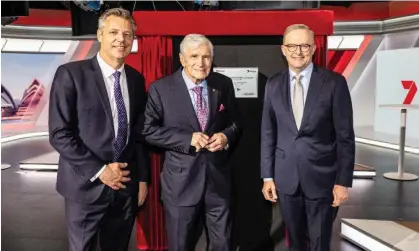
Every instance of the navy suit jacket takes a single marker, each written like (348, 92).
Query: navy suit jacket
(170, 121)
(81, 129)
(321, 153)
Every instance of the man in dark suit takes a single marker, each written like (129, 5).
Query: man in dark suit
(95, 123)
(194, 117)
(307, 143)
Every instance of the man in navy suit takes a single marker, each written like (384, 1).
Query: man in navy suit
(194, 117)
(307, 143)
(95, 123)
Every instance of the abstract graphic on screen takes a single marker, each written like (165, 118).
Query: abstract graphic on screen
(22, 87)
(13, 110)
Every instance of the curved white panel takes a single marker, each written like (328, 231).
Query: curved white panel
(57, 46)
(22, 45)
(23, 136)
(3, 42)
(333, 42)
(42, 46)
(386, 145)
(134, 46)
(351, 42)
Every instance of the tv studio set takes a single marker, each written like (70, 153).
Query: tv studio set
(303, 134)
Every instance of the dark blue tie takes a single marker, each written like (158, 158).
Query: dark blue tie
(121, 136)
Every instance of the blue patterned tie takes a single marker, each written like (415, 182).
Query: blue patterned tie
(121, 136)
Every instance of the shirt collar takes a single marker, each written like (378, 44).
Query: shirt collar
(304, 73)
(189, 84)
(107, 70)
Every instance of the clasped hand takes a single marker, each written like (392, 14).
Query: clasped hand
(113, 175)
(217, 142)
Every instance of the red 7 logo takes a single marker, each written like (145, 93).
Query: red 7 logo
(411, 86)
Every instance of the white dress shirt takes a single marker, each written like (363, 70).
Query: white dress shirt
(107, 73)
(305, 81)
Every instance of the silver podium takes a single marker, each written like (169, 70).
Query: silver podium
(400, 174)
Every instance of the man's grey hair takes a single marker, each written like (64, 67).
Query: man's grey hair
(293, 27)
(118, 12)
(193, 41)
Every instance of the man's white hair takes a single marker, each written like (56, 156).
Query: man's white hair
(193, 41)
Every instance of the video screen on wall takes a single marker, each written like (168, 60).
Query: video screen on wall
(24, 77)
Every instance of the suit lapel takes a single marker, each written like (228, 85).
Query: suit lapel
(286, 98)
(316, 83)
(213, 97)
(131, 94)
(101, 88)
(184, 100)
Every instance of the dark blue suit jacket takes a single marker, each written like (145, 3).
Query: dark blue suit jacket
(81, 129)
(320, 154)
(170, 121)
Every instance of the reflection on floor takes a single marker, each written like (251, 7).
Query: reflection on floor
(363, 171)
(5, 166)
(33, 212)
(49, 161)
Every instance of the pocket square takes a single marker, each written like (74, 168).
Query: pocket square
(221, 108)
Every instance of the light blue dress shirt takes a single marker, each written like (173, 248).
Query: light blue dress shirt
(190, 85)
(305, 81)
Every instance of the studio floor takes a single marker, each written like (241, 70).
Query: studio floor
(33, 212)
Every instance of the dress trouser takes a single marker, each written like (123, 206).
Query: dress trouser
(183, 223)
(109, 221)
(304, 216)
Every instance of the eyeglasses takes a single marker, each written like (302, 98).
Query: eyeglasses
(293, 47)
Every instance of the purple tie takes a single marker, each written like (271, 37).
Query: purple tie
(121, 136)
(201, 107)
